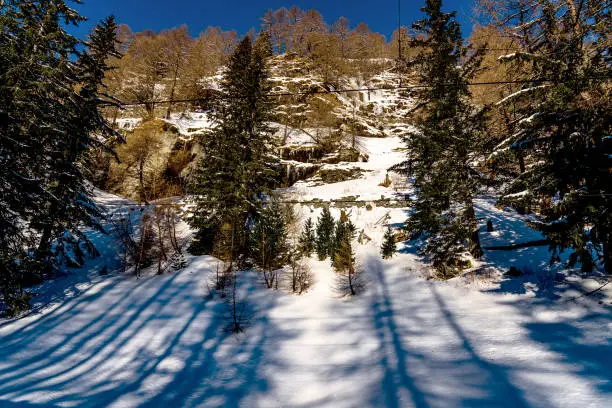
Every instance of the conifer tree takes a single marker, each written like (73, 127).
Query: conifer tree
(447, 138)
(325, 234)
(388, 247)
(50, 94)
(344, 261)
(69, 207)
(269, 242)
(307, 240)
(344, 228)
(238, 163)
(567, 133)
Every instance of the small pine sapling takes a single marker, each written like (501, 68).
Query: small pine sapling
(388, 247)
(344, 229)
(349, 279)
(307, 240)
(325, 234)
(269, 242)
(179, 262)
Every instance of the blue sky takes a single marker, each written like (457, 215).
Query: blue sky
(380, 15)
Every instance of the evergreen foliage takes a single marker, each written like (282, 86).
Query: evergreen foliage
(566, 133)
(179, 262)
(388, 246)
(344, 229)
(325, 234)
(344, 258)
(307, 239)
(50, 94)
(447, 137)
(268, 242)
(238, 164)
(83, 127)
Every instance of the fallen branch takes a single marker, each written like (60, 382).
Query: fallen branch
(540, 242)
(590, 292)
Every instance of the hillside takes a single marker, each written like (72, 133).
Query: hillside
(312, 129)
(309, 214)
(406, 341)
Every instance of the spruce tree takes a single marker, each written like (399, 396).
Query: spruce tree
(448, 136)
(70, 208)
(344, 260)
(325, 234)
(388, 247)
(307, 239)
(567, 133)
(268, 242)
(50, 94)
(238, 164)
(344, 228)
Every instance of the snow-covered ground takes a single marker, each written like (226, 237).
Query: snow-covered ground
(382, 153)
(479, 340)
(161, 341)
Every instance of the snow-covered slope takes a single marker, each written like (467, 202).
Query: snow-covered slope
(160, 341)
(382, 154)
(406, 341)
(304, 99)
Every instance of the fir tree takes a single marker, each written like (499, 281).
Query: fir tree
(238, 165)
(325, 234)
(344, 228)
(388, 247)
(70, 207)
(448, 136)
(307, 240)
(50, 94)
(344, 261)
(269, 242)
(567, 136)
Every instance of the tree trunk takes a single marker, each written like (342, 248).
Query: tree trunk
(275, 280)
(162, 249)
(474, 238)
(607, 254)
(115, 116)
(521, 160)
(44, 246)
(237, 328)
(143, 235)
(175, 243)
(150, 108)
(351, 271)
(172, 90)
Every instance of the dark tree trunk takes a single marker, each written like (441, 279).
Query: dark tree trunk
(43, 251)
(474, 237)
(162, 255)
(172, 91)
(607, 255)
(44, 246)
(521, 160)
(115, 116)
(150, 108)
(351, 271)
